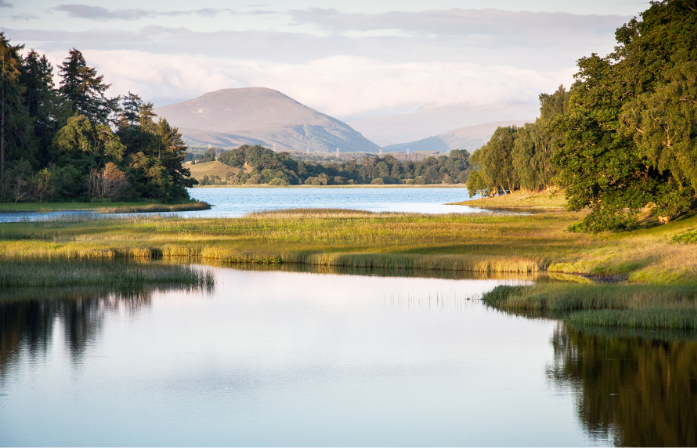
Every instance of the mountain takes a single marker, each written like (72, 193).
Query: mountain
(429, 121)
(468, 137)
(257, 115)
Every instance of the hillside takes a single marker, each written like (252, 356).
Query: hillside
(430, 121)
(468, 137)
(257, 115)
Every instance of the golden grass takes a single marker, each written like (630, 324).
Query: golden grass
(551, 199)
(364, 240)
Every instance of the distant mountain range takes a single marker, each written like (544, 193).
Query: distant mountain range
(257, 115)
(261, 116)
(433, 121)
(468, 137)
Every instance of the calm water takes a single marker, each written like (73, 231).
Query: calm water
(234, 202)
(288, 358)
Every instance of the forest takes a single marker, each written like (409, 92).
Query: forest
(264, 166)
(623, 138)
(73, 142)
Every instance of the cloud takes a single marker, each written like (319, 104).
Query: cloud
(541, 52)
(342, 86)
(4, 4)
(24, 17)
(99, 13)
(482, 23)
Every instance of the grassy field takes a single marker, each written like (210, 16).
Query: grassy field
(101, 207)
(475, 243)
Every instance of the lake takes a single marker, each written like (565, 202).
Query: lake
(301, 358)
(235, 202)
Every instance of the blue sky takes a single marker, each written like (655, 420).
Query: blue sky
(349, 59)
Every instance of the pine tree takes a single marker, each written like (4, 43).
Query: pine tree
(14, 120)
(85, 90)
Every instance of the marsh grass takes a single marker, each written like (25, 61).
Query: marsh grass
(102, 207)
(681, 319)
(641, 306)
(121, 276)
(577, 296)
(490, 243)
(157, 208)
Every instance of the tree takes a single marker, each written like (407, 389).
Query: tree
(13, 114)
(496, 161)
(615, 153)
(44, 106)
(85, 90)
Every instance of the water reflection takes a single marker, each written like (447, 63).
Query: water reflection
(29, 317)
(632, 389)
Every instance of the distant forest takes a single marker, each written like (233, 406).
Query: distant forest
(72, 142)
(264, 166)
(624, 136)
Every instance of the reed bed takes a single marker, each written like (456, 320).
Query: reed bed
(116, 275)
(579, 296)
(634, 306)
(674, 319)
(157, 208)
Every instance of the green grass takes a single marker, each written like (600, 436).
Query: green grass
(483, 243)
(116, 275)
(101, 207)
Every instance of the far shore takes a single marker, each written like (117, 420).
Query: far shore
(338, 186)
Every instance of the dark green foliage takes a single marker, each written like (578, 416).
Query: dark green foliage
(84, 89)
(58, 144)
(521, 157)
(269, 167)
(630, 131)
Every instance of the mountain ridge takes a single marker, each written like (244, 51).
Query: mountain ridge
(258, 115)
(466, 137)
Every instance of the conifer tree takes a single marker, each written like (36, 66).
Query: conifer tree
(85, 89)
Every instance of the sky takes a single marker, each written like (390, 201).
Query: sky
(350, 59)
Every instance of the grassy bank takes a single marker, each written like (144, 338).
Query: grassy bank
(101, 207)
(474, 243)
(523, 200)
(621, 305)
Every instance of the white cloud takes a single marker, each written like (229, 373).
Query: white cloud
(342, 86)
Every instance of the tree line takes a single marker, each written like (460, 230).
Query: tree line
(259, 165)
(623, 138)
(72, 141)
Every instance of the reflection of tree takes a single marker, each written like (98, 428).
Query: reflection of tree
(637, 391)
(26, 325)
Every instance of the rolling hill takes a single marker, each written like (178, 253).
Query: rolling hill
(257, 115)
